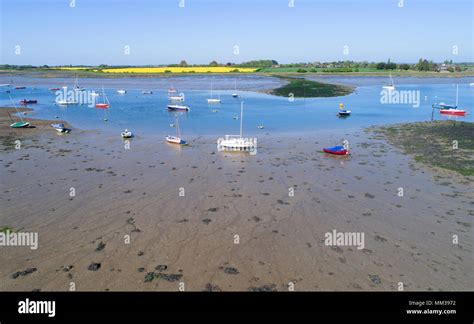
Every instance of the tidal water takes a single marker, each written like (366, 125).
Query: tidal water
(147, 114)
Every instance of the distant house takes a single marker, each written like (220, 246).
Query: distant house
(445, 68)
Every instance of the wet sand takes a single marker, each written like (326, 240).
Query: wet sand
(137, 193)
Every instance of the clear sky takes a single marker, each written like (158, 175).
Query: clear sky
(161, 31)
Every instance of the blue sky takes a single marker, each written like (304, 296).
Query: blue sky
(161, 32)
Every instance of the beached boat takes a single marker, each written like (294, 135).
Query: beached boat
(337, 150)
(105, 103)
(213, 100)
(178, 108)
(343, 112)
(237, 142)
(60, 128)
(176, 139)
(126, 134)
(28, 101)
(121, 91)
(391, 85)
(18, 124)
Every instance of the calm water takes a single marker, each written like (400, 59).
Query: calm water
(146, 114)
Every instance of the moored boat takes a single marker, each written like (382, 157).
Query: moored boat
(178, 107)
(121, 91)
(28, 101)
(106, 103)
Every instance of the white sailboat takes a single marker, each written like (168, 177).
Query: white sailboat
(235, 94)
(237, 142)
(212, 100)
(176, 139)
(391, 85)
(77, 87)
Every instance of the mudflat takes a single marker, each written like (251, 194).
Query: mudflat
(146, 215)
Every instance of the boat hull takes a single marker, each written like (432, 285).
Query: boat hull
(452, 112)
(175, 140)
(178, 108)
(20, 125)
(336, 150)
(102, 106)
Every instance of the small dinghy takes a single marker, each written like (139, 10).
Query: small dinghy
(147, 92)
(337, 150)
(28, 101)
(20, 124)
(178, 108)
(126, 134)
(343, 112)
(60, 128)
(20, 87)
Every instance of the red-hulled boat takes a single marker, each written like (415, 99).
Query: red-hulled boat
(102, 105)
(54, 89)
(453, 112)
(337, 150)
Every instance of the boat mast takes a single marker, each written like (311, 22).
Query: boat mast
(241, 116)
(457, 94)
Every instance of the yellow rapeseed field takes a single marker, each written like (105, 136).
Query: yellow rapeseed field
(195, 69)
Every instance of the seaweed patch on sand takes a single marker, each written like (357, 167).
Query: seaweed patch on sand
(444, 144)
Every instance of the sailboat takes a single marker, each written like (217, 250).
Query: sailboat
(106, 103)
(77, 87)
(343, 112)
(21, 123)
(237, 142)
(60, 128)
(212, 100)
(451, 109)
(235, 95)
(176, 139)
(391, 86)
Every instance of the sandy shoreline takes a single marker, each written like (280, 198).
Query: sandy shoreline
(134, 193)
